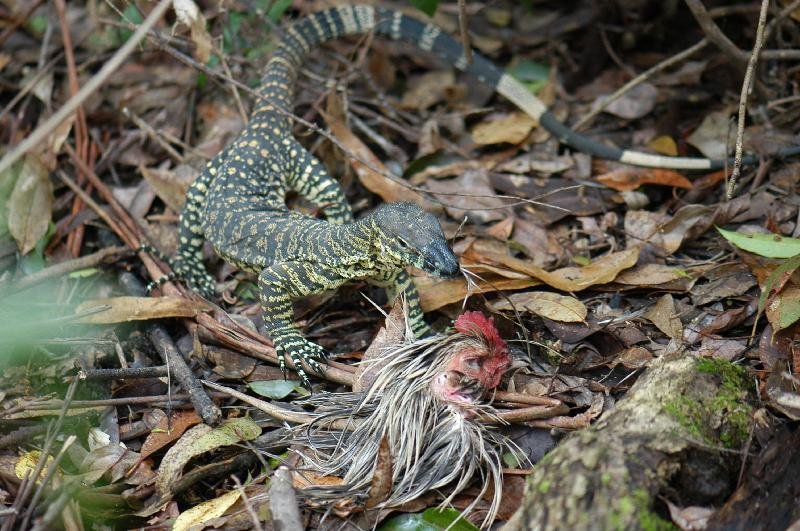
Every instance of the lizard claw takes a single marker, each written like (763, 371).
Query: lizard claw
(300, 351)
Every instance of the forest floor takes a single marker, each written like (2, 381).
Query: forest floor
(593, 270)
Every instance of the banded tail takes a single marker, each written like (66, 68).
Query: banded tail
(309, 32)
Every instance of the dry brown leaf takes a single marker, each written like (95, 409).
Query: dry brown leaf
(783, 309)
(546, 304)
(308, 478)
(601, 271)
(427, 89)
(781, 391)
(199, 440)
(435, 293)
(124, 309)
(650, 275)
(629, 178)
(634, 357)
(664, 145)
(30, 205)
(170, 185)
(510, 128)
(381, 484)
(197, 515)
(388, 190)
(188, 13)
(712, 137)
(635, 103)
(476, 200)
(662, 314)
(169, 429)
(501, 230)
(654, 229)
(51, 147)
(724, 349)
(528, 164)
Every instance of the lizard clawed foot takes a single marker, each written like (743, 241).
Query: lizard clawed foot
(300, 351)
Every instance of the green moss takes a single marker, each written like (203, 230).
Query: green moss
(648, 520)
(636, 507)
(689, 414)
(605, 479)
(543, 487)
(727, 404)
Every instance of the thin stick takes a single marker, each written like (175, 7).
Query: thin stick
(782, 14)
(62, 268)
(715, 34)
(464, 30)
(19, 21)
(152, 134)
(644, 76)
(746, 86)
(41, 132)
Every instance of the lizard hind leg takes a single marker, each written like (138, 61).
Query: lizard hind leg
(309, 178)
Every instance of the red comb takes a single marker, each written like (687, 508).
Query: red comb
(475, 323)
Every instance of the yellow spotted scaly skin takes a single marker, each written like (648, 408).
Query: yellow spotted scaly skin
(238, 205)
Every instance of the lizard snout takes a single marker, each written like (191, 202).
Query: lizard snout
(440, 260)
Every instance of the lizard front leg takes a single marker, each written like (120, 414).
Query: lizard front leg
(401, 285)
(280, 283)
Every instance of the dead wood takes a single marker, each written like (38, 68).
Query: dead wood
(768, 497)
(676, 435)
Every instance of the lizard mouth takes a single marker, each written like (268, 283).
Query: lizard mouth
(440, 261)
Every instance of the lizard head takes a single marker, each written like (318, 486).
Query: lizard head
(407, 235)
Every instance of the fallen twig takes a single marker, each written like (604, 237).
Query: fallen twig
(283, 501)
(746, 86)
(644, 76)
(67, 266)
(207, 409)
(41, 132)
(715, 35)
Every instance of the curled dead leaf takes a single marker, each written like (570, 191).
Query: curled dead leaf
(546, 304)
(124, 309)
(510, 128)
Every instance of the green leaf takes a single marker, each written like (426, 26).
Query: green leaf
(130, 15)
(277, 9)
(448, 519)
(428, 520)
(84, 273)
(426, 6)
(767, 245)
(273, 388)
(511, 460)
(786, 268)
(526, 70)
(37, 24)
(34, 262)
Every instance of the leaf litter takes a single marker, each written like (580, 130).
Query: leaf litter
(591, 269)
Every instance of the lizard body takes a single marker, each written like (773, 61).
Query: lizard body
(238, 202)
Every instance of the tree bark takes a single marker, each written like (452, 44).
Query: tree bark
(677, 435)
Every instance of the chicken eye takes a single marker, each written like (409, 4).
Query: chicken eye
(473, 363)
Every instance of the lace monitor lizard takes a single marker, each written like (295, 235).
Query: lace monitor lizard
(237, 203)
